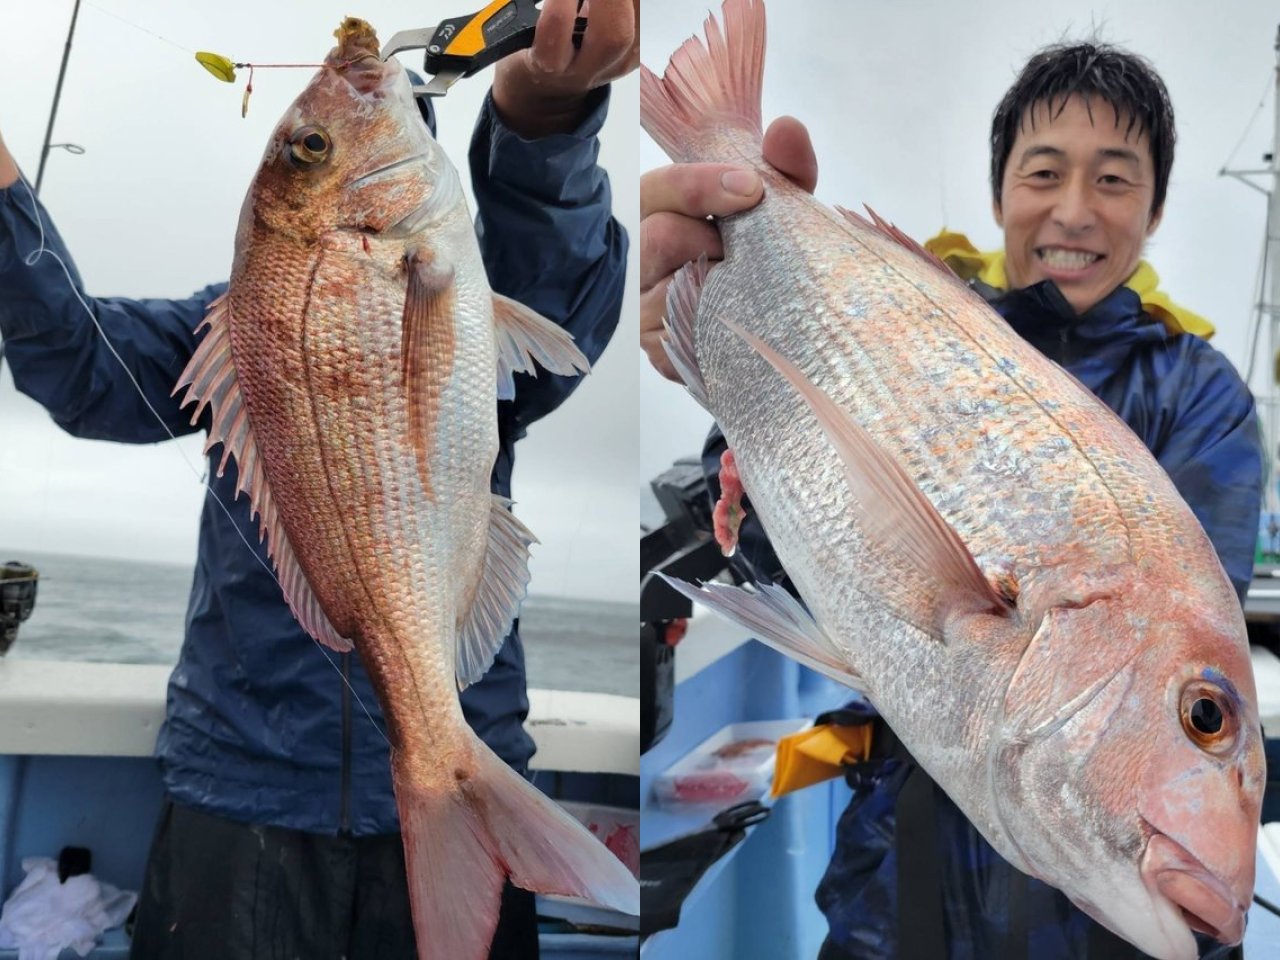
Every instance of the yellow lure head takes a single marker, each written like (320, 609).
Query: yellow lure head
(218, 65)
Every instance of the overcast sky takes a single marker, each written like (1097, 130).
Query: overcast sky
(150, 210)
(899, 96)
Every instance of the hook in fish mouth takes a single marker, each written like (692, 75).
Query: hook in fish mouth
(374, 175)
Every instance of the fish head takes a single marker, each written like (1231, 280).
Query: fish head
(1134, 781)
(1200, 792)
(352, 153)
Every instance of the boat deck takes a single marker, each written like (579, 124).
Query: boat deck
(76, 769)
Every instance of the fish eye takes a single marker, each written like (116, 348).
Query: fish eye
(309, 145)
(1208, 717)
(1205, 716)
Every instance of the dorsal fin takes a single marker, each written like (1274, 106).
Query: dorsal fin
(525, 336)
(210, 378)
(883, 226)
(502, 587)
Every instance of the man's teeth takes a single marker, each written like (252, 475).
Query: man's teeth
(1066, 259)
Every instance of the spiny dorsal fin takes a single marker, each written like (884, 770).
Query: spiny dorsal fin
(210, 378)
(525, 336)
(880, 225)
(502, 588)
(682, 308)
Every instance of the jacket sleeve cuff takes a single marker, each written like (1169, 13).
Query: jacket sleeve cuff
(555, 170)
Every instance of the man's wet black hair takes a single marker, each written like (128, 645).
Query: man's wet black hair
(1090, 70)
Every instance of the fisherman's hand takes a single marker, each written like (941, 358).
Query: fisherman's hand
(544, 89)
(8, 167)
(675, 202)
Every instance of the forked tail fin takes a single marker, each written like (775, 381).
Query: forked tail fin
(704, 86)
(462, 843)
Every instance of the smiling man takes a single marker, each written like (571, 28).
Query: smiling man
(1081, 151)
(1078, 199)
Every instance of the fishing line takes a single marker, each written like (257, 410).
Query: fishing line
(130, 23)
(30, 260)
(221, 67)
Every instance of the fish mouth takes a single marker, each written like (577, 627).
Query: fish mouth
(1205, 903)
(373, 176)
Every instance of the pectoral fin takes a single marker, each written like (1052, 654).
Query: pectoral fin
(891, 509)
(525, 336)
(426, 354)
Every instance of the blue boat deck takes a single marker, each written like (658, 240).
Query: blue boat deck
(76, 770)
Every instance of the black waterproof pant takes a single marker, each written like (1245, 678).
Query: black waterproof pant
(216, 889)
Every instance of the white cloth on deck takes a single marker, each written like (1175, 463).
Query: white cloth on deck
(42, 916)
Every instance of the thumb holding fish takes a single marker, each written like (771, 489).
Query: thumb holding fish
(675, 202)
(545, 89)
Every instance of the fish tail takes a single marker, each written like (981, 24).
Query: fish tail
(709, 85)
(464, 839)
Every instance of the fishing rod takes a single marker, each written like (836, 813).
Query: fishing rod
(53, 115)
(57, 95)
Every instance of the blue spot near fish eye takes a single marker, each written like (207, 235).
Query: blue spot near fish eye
(1215, 676)
(1006, 365)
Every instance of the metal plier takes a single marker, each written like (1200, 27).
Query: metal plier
(462, 46)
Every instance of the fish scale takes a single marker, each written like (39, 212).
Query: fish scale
(981, 546)
(942, 370)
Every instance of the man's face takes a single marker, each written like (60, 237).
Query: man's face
(1076, 201)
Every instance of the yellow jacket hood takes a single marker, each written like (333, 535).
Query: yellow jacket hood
(969, 263)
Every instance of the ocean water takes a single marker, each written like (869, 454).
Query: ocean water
(125, 611)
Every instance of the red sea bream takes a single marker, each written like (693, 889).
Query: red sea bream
(981, 545)
(352, 369)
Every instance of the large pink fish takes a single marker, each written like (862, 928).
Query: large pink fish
(353, 368)
(983, 547)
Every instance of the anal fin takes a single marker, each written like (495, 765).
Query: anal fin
(503, 583)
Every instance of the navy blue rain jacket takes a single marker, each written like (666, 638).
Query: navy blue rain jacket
(260, 726)
(1191, 409)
